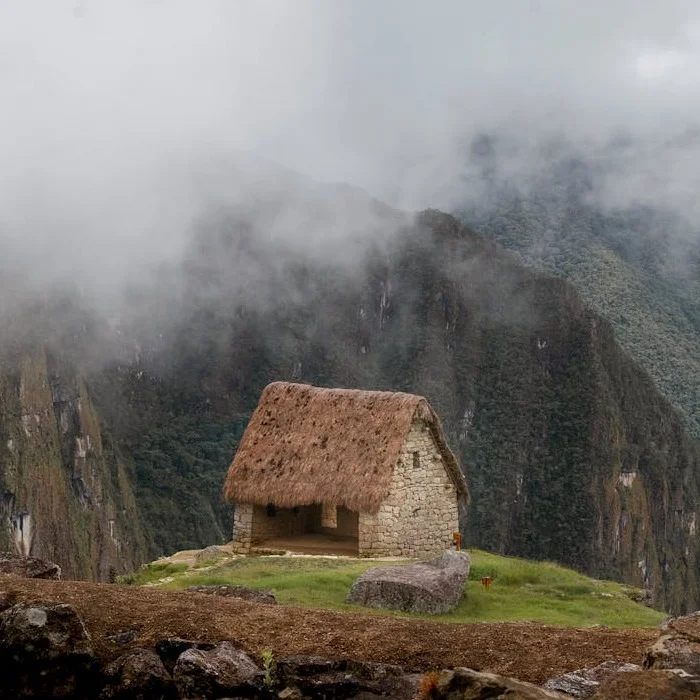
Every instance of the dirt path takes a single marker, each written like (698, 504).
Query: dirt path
(531, 652)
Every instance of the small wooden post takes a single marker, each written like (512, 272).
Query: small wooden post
(457, 539)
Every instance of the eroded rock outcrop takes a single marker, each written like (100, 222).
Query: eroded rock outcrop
(255, 595)
(211, 553)
(315, 677)
(466, 684)
(28, 567)
(222, 672)
(45, 651)
(672, 666)
(678, 647)
(169, 649)
(649, 685)
(137, 675)
(434, 586)
(585, 682)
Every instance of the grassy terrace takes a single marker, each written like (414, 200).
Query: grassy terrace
(521, 590)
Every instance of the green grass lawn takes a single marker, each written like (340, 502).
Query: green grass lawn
(521, 590)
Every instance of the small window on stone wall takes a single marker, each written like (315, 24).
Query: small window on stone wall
(416, 460)
(329, 515)
(271, 511)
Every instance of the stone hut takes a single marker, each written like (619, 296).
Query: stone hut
(344, 471)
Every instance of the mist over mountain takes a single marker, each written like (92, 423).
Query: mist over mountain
(110, 109)
(636, 261)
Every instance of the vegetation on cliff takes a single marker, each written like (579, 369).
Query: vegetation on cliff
(65, 495)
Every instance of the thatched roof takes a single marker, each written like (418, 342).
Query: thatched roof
(308, 445)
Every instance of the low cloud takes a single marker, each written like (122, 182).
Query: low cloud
(121, 120)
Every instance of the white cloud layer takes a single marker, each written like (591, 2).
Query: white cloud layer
(108, 108)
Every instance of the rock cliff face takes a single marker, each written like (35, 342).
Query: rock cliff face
(65, 496)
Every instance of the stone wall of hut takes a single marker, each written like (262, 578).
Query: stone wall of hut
(420, 514)
(242, 527)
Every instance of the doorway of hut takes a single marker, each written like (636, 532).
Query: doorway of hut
(319, 528)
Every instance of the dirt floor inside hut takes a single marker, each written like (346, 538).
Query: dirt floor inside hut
(531, 652)
(310, 543)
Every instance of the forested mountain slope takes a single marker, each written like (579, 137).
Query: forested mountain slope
(636, 263)
(570, 451)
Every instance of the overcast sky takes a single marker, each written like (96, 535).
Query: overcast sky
(104, 105)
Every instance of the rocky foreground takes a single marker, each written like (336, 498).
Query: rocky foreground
(85, 640)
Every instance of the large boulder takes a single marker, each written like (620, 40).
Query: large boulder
(7, 599)
(170, 649)
(211, 554)
(123, 637)
(28, 567)
(255, 595)
(137, 675)
(584, 682)
(678, 646)
(317, 677)
(433, 587)
(45, 651)
(222, 672)
(465, 684)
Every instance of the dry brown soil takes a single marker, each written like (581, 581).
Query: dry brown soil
(528, 651)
